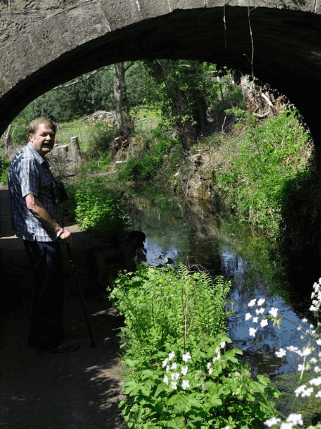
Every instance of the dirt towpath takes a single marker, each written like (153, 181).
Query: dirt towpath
(76, 390)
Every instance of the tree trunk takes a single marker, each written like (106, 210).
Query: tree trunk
(120, 99)
(7, 140)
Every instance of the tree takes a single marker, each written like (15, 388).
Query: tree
(179, 89)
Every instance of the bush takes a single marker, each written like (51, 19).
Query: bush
(95, 208)
(4, 166)
(100, 140)
(180, 372)
(147, 163)
(270, 155)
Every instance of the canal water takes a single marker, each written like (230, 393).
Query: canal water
(193, 233)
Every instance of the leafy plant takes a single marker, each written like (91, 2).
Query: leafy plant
(148, 161)
(180, 371)
(4, 166)
(264, 161)
(95, 208)
(98, 146)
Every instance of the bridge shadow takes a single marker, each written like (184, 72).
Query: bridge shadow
(300, 238)
(80, 389)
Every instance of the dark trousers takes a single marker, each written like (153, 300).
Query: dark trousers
(46, 329)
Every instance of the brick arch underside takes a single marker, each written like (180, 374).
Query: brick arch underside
(287, 53)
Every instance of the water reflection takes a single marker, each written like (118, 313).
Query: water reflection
(260, 351)
(180, 235)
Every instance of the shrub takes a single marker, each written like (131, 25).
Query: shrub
(180, 372)
(147, 163)
(261, 164)
(4, 166)
(95, 208)
(100, 141)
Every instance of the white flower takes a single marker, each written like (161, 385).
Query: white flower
(303, 391)
(295, 419)
(261, 302)
(255, 319)
(185, 384)
(273, 311)
(286, 426)
(174, 365)
(318, 395)
(306, 351)
(186, 357)
(307, 392)
(272, 422)
(293, 349)
(218, 357)
(184, 370)
(210, 371)
(300, 389)
(301, 367)
(280, 353)
(165, 362)
(315, 381)
(264, 322)
(171, 355)
(174, 385)
(313, 360)
(165, 379)
(252, 332)
(209, 365)
(175, 376)
(317, 369)
(318, 342)
(260, 310)
(222, 345)
(252, 303)
(248, 316)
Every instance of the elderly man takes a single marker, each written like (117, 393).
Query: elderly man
(35, 210)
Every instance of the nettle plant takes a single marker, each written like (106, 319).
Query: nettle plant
(308, 359)
(181, 370)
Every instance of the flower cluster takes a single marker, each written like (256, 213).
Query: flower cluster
(304, 390)
(215, 358)
(175, 376)
(291, 421)
(316, 297)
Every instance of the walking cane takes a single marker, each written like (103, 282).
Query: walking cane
(67, 247)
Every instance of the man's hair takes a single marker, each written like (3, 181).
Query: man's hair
(33, 126)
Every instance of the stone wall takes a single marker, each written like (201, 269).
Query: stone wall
(46, 42)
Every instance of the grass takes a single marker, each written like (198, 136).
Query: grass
(74, 128)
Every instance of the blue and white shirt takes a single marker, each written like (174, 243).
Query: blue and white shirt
(29, 173)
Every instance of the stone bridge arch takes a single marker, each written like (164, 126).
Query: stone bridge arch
(46, 42)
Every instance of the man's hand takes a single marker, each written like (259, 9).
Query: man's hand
(65, 237)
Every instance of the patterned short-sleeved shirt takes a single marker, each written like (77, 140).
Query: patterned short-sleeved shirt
(29, 173)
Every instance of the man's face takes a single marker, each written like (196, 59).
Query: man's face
(43, 140)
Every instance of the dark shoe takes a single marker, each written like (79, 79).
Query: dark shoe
(65, 346)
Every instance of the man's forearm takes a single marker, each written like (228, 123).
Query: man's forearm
(37, 209)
